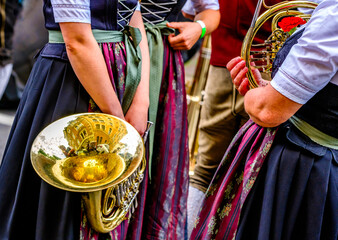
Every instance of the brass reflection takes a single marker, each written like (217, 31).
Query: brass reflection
(94, 153)
(86, 152)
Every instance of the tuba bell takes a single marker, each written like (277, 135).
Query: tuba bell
(263, 55)
(96, 154)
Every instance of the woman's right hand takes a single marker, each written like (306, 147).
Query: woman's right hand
(238, 72)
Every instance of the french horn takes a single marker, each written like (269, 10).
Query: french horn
(97, 154)
(264, 54)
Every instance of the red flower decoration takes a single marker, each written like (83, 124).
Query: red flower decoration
(288, 23)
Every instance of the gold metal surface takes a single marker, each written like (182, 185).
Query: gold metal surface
(3, 23)
(264, 54)
(195, 98)
(97, 154)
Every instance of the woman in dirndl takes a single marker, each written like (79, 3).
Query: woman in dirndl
(164, 212)
(278, 179)
(82, 68)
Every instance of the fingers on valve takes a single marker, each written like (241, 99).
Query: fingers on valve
(244, 87)
(237, 69)
(239, 76)
(232, 63)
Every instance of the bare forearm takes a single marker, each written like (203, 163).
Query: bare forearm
(142, 92)
(267, 107)
(210, 18)
(190, 32)
(137, 114)
(89, 66)
(91, 70)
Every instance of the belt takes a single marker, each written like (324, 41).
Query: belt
(314, 134)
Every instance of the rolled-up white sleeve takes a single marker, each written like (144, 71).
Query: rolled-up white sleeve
(313, 62)
(193, 7)
(71, 11)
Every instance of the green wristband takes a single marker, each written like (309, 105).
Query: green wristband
(203, 28)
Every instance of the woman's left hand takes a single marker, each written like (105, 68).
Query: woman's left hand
(190, 32)
(238, 71)
(137, 116)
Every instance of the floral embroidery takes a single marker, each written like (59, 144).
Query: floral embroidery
(196, 221)
(266, 148)
(118, 49)
(228, 191)
(225, 211)
(211, 225)
(239, 179)
(234, 236)
(174, 85)
(218, 218)
(211, 190)
(92, 107)
(250, 183)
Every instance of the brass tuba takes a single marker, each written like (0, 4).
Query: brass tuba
(97, 154)
(195, 95)
(264, 54)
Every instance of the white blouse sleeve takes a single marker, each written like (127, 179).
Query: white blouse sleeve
(193, 7)
(313, 62)
(138, 7)
(71, 11)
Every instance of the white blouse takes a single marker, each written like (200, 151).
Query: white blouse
(71, 10)
(313, 62)
(74, 10)
(193, 7)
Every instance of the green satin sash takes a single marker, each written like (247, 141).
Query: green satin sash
(314, 134)
(156, 51)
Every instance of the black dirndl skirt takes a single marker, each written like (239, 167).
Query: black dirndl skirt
(296, 193)
(29, 207)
